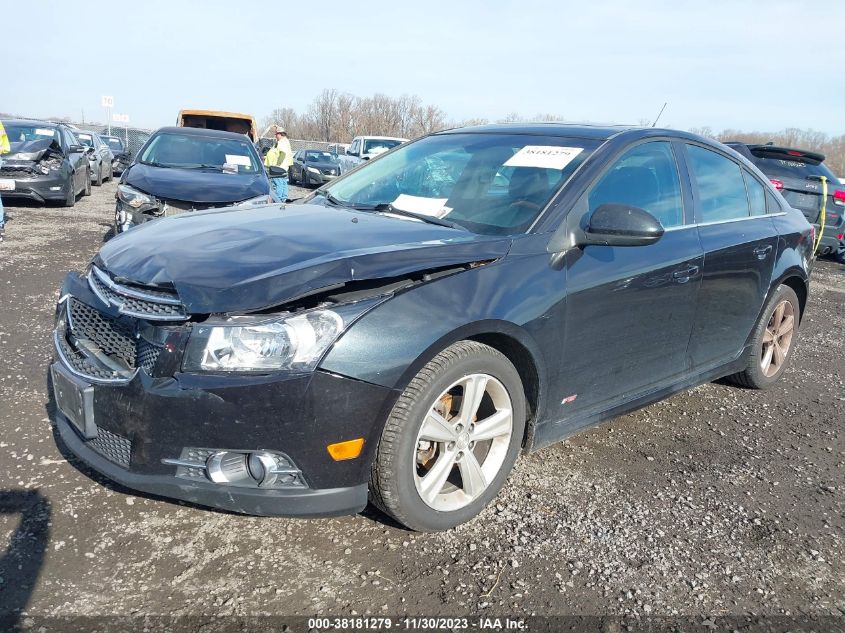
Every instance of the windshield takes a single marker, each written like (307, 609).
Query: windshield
(85, 138)
(20, 133)
(114, 143)
(488, 183)
(200, 152)
(379, 145)
(320, 157)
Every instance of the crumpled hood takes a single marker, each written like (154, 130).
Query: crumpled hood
(245, 260)
(29, 150)
(196, 185)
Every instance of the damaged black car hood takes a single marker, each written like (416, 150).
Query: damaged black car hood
(31, 150)
(196, 185)
(246, 260)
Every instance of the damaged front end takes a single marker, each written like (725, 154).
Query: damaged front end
(32, 158)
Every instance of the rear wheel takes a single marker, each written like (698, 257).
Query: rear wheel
(772, 341)
(451, 440)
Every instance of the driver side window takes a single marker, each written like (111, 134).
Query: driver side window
(646, 177)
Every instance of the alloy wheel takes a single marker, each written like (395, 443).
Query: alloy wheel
(777, 339)
(463, 442)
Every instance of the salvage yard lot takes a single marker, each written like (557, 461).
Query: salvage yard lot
(717, 501)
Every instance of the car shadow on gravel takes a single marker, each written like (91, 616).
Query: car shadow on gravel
(21, 564)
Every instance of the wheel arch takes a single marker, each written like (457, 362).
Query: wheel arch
(516, 345)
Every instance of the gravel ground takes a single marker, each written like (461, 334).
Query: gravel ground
(717, 501)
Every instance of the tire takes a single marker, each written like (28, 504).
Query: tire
(70, 196)
(291, 179)
(839, 254)
(404, 458)
(771, 339)
(87, 190)
(99, 181)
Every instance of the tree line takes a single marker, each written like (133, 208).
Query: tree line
(335, 116)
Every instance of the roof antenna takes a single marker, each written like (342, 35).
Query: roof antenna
(660, 113)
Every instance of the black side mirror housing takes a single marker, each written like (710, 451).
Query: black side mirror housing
(621, 225)
(76, 149)
(277, 172)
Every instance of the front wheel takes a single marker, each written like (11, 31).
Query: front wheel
(451, 440)
(87, 190)
(772, 341)
(70, 195)
(99, 181)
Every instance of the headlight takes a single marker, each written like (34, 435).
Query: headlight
(257, 201)
(284, 343)
(133, 197)
(313, 170)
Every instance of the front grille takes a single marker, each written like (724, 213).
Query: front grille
(115, 339)
(17, 171)
(146, 355)
(153, 304)
(113, 447)
(101, 348)
(177, 207)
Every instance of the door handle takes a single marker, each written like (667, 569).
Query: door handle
(762, 252)
(685, 274)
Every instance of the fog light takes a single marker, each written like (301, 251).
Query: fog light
(245, 469)
(228, 468)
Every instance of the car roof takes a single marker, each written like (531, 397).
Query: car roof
(31, 122)
(200, 131)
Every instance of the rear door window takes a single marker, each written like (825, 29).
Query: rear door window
(721, 188)
(772, 204)
(756, 194)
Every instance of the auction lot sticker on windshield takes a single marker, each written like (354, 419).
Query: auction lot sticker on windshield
(545, 156)
(237, 159)
(41, 131)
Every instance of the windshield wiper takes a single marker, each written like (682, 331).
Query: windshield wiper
(202, 166)
(338, 203)
(387, 207)
(153, 163)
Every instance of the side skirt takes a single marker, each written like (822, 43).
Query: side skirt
(551, 432)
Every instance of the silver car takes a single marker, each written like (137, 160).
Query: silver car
(100, 156)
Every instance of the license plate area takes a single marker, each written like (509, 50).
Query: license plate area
(75, 399)
(7, 184)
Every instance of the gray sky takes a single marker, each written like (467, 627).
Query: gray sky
(752, 65)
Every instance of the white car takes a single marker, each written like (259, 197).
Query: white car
(366, 147)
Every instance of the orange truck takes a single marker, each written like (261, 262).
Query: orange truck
(218, 120)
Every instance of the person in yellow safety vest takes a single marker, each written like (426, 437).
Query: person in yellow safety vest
(5, 148)
(280, 155)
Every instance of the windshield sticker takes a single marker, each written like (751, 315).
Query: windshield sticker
(418, 204)
(545, 156)
(42, 131)
(230, 168)
(237, 159)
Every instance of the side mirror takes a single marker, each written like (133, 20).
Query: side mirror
(76, 149)
(621, 225)
(277, 172)
(348, 153)
(366, 157)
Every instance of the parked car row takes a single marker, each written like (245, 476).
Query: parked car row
(407, 330)
(798, 175)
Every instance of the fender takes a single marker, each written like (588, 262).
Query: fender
(468, 305)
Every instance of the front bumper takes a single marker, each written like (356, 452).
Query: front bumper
(41, 188)
(145, 422)
(294, 502)
(318, 179)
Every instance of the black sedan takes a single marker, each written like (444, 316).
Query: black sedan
(46, 163)
(180, 170)
(409, 329)
(314, 167)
